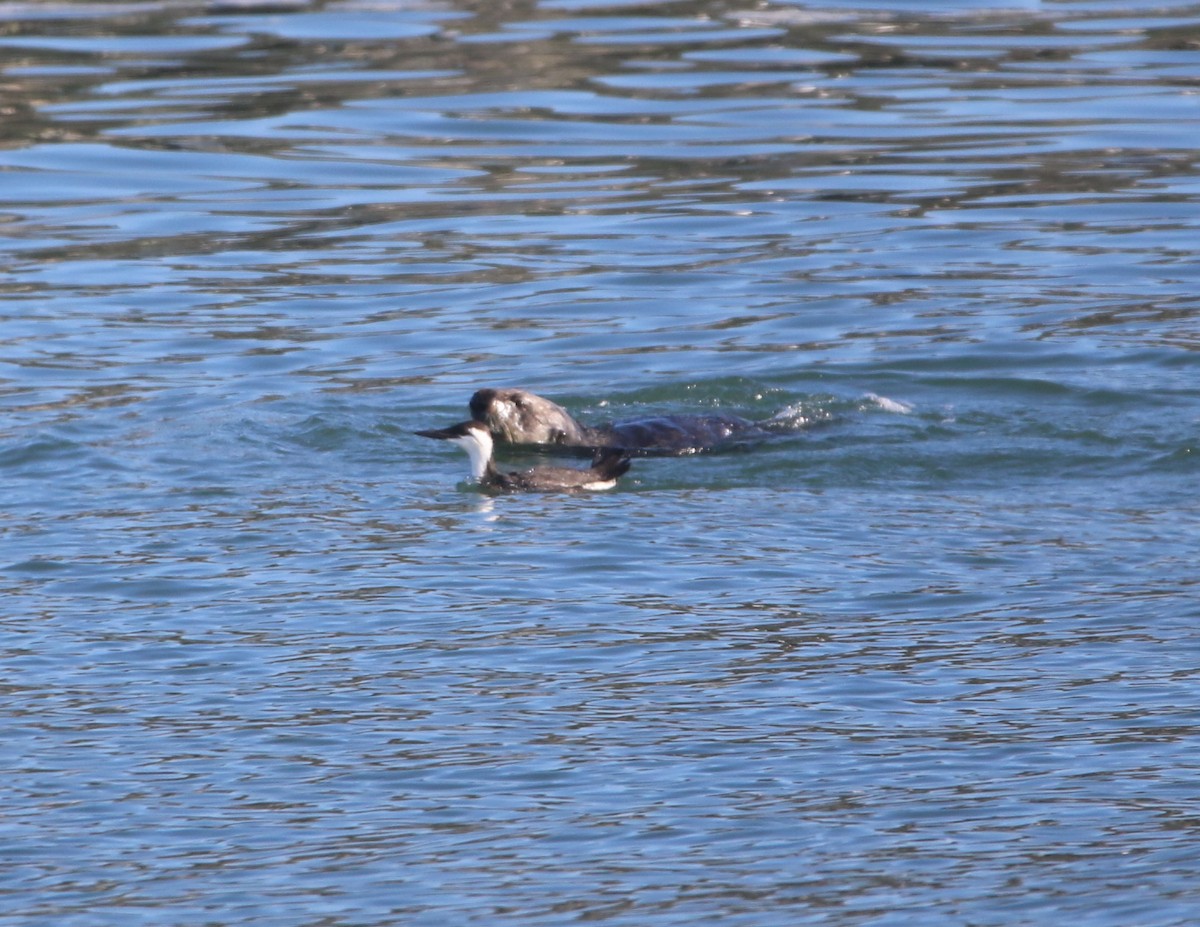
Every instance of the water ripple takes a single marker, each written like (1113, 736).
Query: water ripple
(268, 660)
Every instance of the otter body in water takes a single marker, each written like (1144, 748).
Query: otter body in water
(517, 416)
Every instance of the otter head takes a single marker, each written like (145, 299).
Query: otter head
(521, 417)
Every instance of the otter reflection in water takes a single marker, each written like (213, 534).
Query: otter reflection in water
(517, 416)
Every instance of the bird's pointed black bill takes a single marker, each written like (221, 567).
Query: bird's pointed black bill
(444, 434)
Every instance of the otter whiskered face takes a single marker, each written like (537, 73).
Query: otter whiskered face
(521, 417)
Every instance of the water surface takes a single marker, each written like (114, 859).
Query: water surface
(928, 659)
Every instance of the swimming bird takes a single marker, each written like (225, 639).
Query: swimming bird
(475, 438)
(518, 416)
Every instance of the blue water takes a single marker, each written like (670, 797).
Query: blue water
(930, 658)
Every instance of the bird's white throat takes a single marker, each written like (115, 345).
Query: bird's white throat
(478, 445)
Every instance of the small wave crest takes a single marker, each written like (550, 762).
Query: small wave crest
(895, 406)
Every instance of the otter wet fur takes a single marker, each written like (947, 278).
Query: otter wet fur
(517, 416)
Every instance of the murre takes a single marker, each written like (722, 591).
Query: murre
(475, 438)
(517, 416)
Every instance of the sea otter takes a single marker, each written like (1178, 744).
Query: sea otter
(517, 416)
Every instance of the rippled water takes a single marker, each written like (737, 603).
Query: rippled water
(931, 659)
